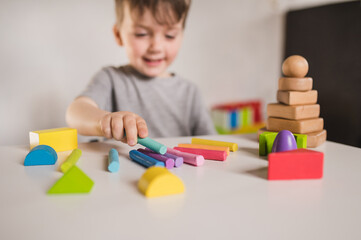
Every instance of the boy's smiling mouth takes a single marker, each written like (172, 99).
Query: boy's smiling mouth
(153, 62)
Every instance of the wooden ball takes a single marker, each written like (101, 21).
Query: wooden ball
(295, 66)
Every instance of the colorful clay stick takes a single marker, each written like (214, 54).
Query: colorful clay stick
(299, 126)
(71, 160)
(113, 160)
(202, 146)
(61, 139)
(295, 84)
(284, 141)
(206, 153)
(189, 158)
(73, 181)
(315, 139)
(232, 146)
(168, 162)
(144, 160)
(178, 161)
(153, 145)
(41, 155)
(297, 98)
(293, 112)
(295, 164)
(158, 181)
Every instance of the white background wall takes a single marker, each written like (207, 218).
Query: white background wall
(50, 49)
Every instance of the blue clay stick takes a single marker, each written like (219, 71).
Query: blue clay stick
(144, 160)
(113, 160)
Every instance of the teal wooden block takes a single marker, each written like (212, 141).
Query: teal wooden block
(41, 155)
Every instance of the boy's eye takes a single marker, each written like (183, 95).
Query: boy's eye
(141, 34)
(170, 36)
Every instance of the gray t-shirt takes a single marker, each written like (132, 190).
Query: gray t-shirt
(170, 106)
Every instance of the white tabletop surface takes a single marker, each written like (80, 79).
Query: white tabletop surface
(223, 200)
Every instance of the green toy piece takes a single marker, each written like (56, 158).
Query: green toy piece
(73, 181)
(266, 140)
(71, 160)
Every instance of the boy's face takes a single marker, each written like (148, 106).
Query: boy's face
(150, 47)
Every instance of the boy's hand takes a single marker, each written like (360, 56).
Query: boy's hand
(112, 125)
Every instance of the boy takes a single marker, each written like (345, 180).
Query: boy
(143, 97)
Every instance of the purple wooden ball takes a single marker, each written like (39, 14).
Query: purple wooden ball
(284, 141)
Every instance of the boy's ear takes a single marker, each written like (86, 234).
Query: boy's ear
(117, 36)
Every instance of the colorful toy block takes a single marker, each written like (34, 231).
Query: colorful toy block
(189, 158)
(153, 145)
(299, 126)
(295, 84)
(284, 141)
(113, 160)
(71, 160)
(295, 164)
(232, 146)
(168, 162)
(266, 140)
(41, 155)
(158, 182)
(293, 112)
(144, 160)
(206, 153)
(201, 146)
(73, 181)
(61, 139)
(297, 98)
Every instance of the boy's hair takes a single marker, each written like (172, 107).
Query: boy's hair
(164, 11)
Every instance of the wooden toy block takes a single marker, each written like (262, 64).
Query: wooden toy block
(61, 139)
(295, 66)
(295, 84)
(168, 162)
(41, 155)
(293, 112)
(260, 131)
(295, 164)
(266, 140)
(153, 145)
(73, 181)
(201, 146)
(71, 160)
(315, 139)
(295, 126)
(113, 160)
(206, 153)
(158, 181)
(232, 146)
(297, 98)
(144, 160)
(189, 158)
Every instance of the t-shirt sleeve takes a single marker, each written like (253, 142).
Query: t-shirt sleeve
(202, 123)
(99, 90)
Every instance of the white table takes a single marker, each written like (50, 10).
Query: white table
(223, 200)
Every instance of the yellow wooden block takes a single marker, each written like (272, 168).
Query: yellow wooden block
(202, 146)
(232, 146)
(159, 181)
(61, 139)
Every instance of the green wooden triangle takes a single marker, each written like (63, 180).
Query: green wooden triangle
(73, 181)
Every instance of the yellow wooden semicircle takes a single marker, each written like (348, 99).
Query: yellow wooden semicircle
(158, 181)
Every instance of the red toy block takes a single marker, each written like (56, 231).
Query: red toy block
(296, 164)
(207, 154)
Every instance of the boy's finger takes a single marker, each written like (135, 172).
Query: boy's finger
(142, 127)
(105, 124)
(117, 128)
(130, 127)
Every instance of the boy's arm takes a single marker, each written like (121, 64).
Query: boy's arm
(84, 115)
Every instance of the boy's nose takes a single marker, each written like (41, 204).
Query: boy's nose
(156, 44)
